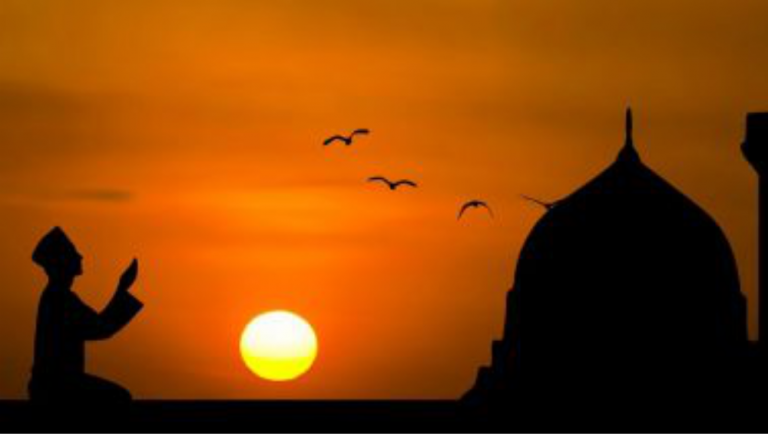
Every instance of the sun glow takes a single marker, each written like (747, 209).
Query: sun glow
(278, 346)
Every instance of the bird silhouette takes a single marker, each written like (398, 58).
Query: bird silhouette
(392, 185)
(474, 204)
(346, 139)
(547, 205)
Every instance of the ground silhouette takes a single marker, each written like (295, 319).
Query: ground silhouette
(65, 323)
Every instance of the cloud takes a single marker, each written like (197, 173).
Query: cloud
(98, 195)
(33, 197)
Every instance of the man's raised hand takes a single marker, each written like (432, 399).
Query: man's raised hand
(129, 276)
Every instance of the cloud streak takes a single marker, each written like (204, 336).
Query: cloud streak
(98, 195)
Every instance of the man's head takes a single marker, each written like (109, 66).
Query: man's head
(56, 254)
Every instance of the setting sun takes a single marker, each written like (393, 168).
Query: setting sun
(278, 346)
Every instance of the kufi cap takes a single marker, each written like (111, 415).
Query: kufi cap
(54, 245)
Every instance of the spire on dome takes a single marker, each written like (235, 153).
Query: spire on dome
(629, 151)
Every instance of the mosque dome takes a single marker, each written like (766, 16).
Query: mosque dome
(626, 278)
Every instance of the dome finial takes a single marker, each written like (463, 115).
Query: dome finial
(628, 152)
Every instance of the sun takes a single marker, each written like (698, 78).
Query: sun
(278, 345)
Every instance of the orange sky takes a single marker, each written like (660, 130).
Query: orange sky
(188, 133)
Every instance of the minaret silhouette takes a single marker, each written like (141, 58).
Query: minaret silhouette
(755, 149)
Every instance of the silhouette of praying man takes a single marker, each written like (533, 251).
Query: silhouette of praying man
(64, 323)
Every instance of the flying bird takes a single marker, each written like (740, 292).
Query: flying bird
(474, 204)
(547, 205)
(392, 185)
(346, 139)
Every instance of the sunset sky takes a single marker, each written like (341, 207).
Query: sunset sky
(189, 134)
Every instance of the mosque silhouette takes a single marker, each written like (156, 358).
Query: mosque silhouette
(627, 289)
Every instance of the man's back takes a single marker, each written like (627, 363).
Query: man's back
(59, 344)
